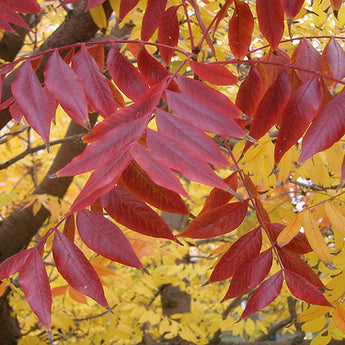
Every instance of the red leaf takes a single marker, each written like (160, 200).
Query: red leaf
(292, 7)
(12, 17)
(326, 129)
(4, 25)
(241, 27)
(95, 83)
(333, 58)
(294, 263)
(301, 109)
(198, 142)
(222, 13)
(34, 281)
(177, 157)
(97, 53)
(93, 3)
(33, 100)
(138, 182)
(304, 290)
(219, 197)
(14, 263)
(107, 147)
(271, 20)
(27, 6)
(266, 293)
(213, 73)
(250, 274)
(69, 228)
(218, 221)
(105, 238)
(168, 33)
(240, 252)
(271, 106)
(134, 214)
(307, 57)
(126, 6)
(154, 10)
(64, 84)
(125, 75)
(250, 92)
(158, 171)
(76, 269)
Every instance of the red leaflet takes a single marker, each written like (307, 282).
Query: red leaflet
(307, 57)
(304, 290)
(271, 20)
(95, 83)
(126, 6)
(239, 253)
(27, 6)
(137, 181)
(198, 142)
(326, 129)
(266, 293)
(222, 13)
(64, 84)
(135, 214)
(76, 269)
(213, 73)
(250, 92)
(299, 244)
(294, 263)
(101, 181)
(69, 228)
(97, 53)
(93, 3)
(220, 197)
(125, 75)
(271, 106)
(333, 59)
(158, 171)
(292, 7)
(177, 157)
(168, 33)
(107, 147)
(33, 100)
(9, 15)
(105, 238)
(301, 109)
(217, 222)
(250, 274)
(154, 11)
(4, 24)
(241, 27)
(34, 281)
(14, 263)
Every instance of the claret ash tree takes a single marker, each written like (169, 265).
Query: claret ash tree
(172, 172)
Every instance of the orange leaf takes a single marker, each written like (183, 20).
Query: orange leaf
(338, 316)
(290, 231)
(77, 296)
(3, 287)
(59, 290)
(336, 218)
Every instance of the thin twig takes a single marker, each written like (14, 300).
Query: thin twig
(95, 316)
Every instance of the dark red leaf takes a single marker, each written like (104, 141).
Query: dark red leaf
(125, 75)
(177, 157)
(168, 33)
(250, 92)
(14, 263)
(250, 274)
(218, 221)
(266, 293)
(154, 10)
(241, 27)
(292, 7)
(64, 84)
(4, 24)
(95, 83)
(301, 109)
(27, 6)
(9, 14)
(333, 59)
(93, 3)
(105, 238)
(135, 214)
(294, 263)
(137, 181)
(33, 100)
(76, 269)
(34, 281)
(271, 20)
(126, 6)
(219, 197)
(158, 171)
(69, 228)
(240, 252)
(304, 290)
(184, 132)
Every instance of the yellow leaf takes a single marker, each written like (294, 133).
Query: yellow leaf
(323, 338)
(336, 217)
(313, 312)
(314, 326)
(338, 317)
(291, 230)
(99, 17)
(36, 207)
(315, 238)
